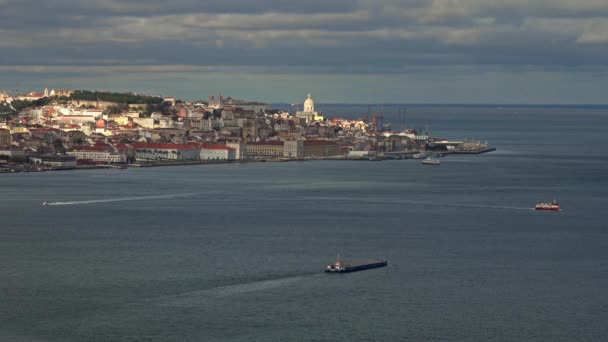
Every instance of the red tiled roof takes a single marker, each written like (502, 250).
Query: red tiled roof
(122, 146)
(214, 147)
(98, 148)
(32, 94)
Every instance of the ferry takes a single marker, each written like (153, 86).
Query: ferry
(339, 267)
(431, 161)
(553, 205)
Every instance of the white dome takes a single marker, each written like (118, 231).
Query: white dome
(309, 104)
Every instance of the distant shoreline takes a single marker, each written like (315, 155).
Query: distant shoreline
(239, 161)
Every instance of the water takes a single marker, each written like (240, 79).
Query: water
(234, 252)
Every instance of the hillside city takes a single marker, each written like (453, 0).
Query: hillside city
(66, 129)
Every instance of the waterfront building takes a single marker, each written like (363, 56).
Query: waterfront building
(361, 154)
(55, 162)
(159, 151)
(239, 149)
(12, 152)
(217, 152)
(5, 137)
(266, 149)
(321, 148)
(99, 153)
(293, 148)
(308, 111)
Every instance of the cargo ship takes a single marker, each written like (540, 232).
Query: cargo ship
(339, 267)
(553, 205)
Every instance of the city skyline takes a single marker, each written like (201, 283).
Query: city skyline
(467, 51)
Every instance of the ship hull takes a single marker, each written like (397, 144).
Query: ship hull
(359, 267)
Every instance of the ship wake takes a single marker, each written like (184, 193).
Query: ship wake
(119, 199)
(196, 298)
(417, 203)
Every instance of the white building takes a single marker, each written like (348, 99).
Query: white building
(31, 113)
(98, 154)
(238, 147)
(96, 113)
(33, 96)
(158, 151)
(217, 152)
(308, 112)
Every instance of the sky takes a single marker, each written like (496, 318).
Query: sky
(341, 51)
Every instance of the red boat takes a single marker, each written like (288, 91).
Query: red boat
(553, 205)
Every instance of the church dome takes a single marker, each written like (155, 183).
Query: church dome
(309, 104)
(101, 123)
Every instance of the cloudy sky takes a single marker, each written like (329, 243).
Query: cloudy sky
(365, 51)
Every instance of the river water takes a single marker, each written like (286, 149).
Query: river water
(235, 252)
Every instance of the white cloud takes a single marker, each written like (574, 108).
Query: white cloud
(595, 33)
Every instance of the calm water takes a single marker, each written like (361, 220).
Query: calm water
(235, 252)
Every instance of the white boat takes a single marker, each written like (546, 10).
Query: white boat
(431, 161)
(419, 155)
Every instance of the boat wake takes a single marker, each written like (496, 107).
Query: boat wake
(489, 207)
(421, 203)
(196, 298)
(119, 199)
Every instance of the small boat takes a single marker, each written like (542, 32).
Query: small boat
(45, 203)
(418, 155)
(430, 161)
(553, 205)
(340, 267)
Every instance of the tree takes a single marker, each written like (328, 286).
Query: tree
(19, 105)
(114, 110)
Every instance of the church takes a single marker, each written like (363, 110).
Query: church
(308, 112)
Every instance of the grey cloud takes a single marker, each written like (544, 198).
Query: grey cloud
(335, 35)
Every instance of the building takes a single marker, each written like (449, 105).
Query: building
(64, 92)
(266, 149)
(99, 153)
(33, 96)
(159, 151)
(308, 111)
(217, 152)
(5, 137)
(95, 113)
(32, 113)
(55, 162)
(239, 149)
(4, 97)
(293, 148)
(12, 152)
(215, 101)
(321, 148)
